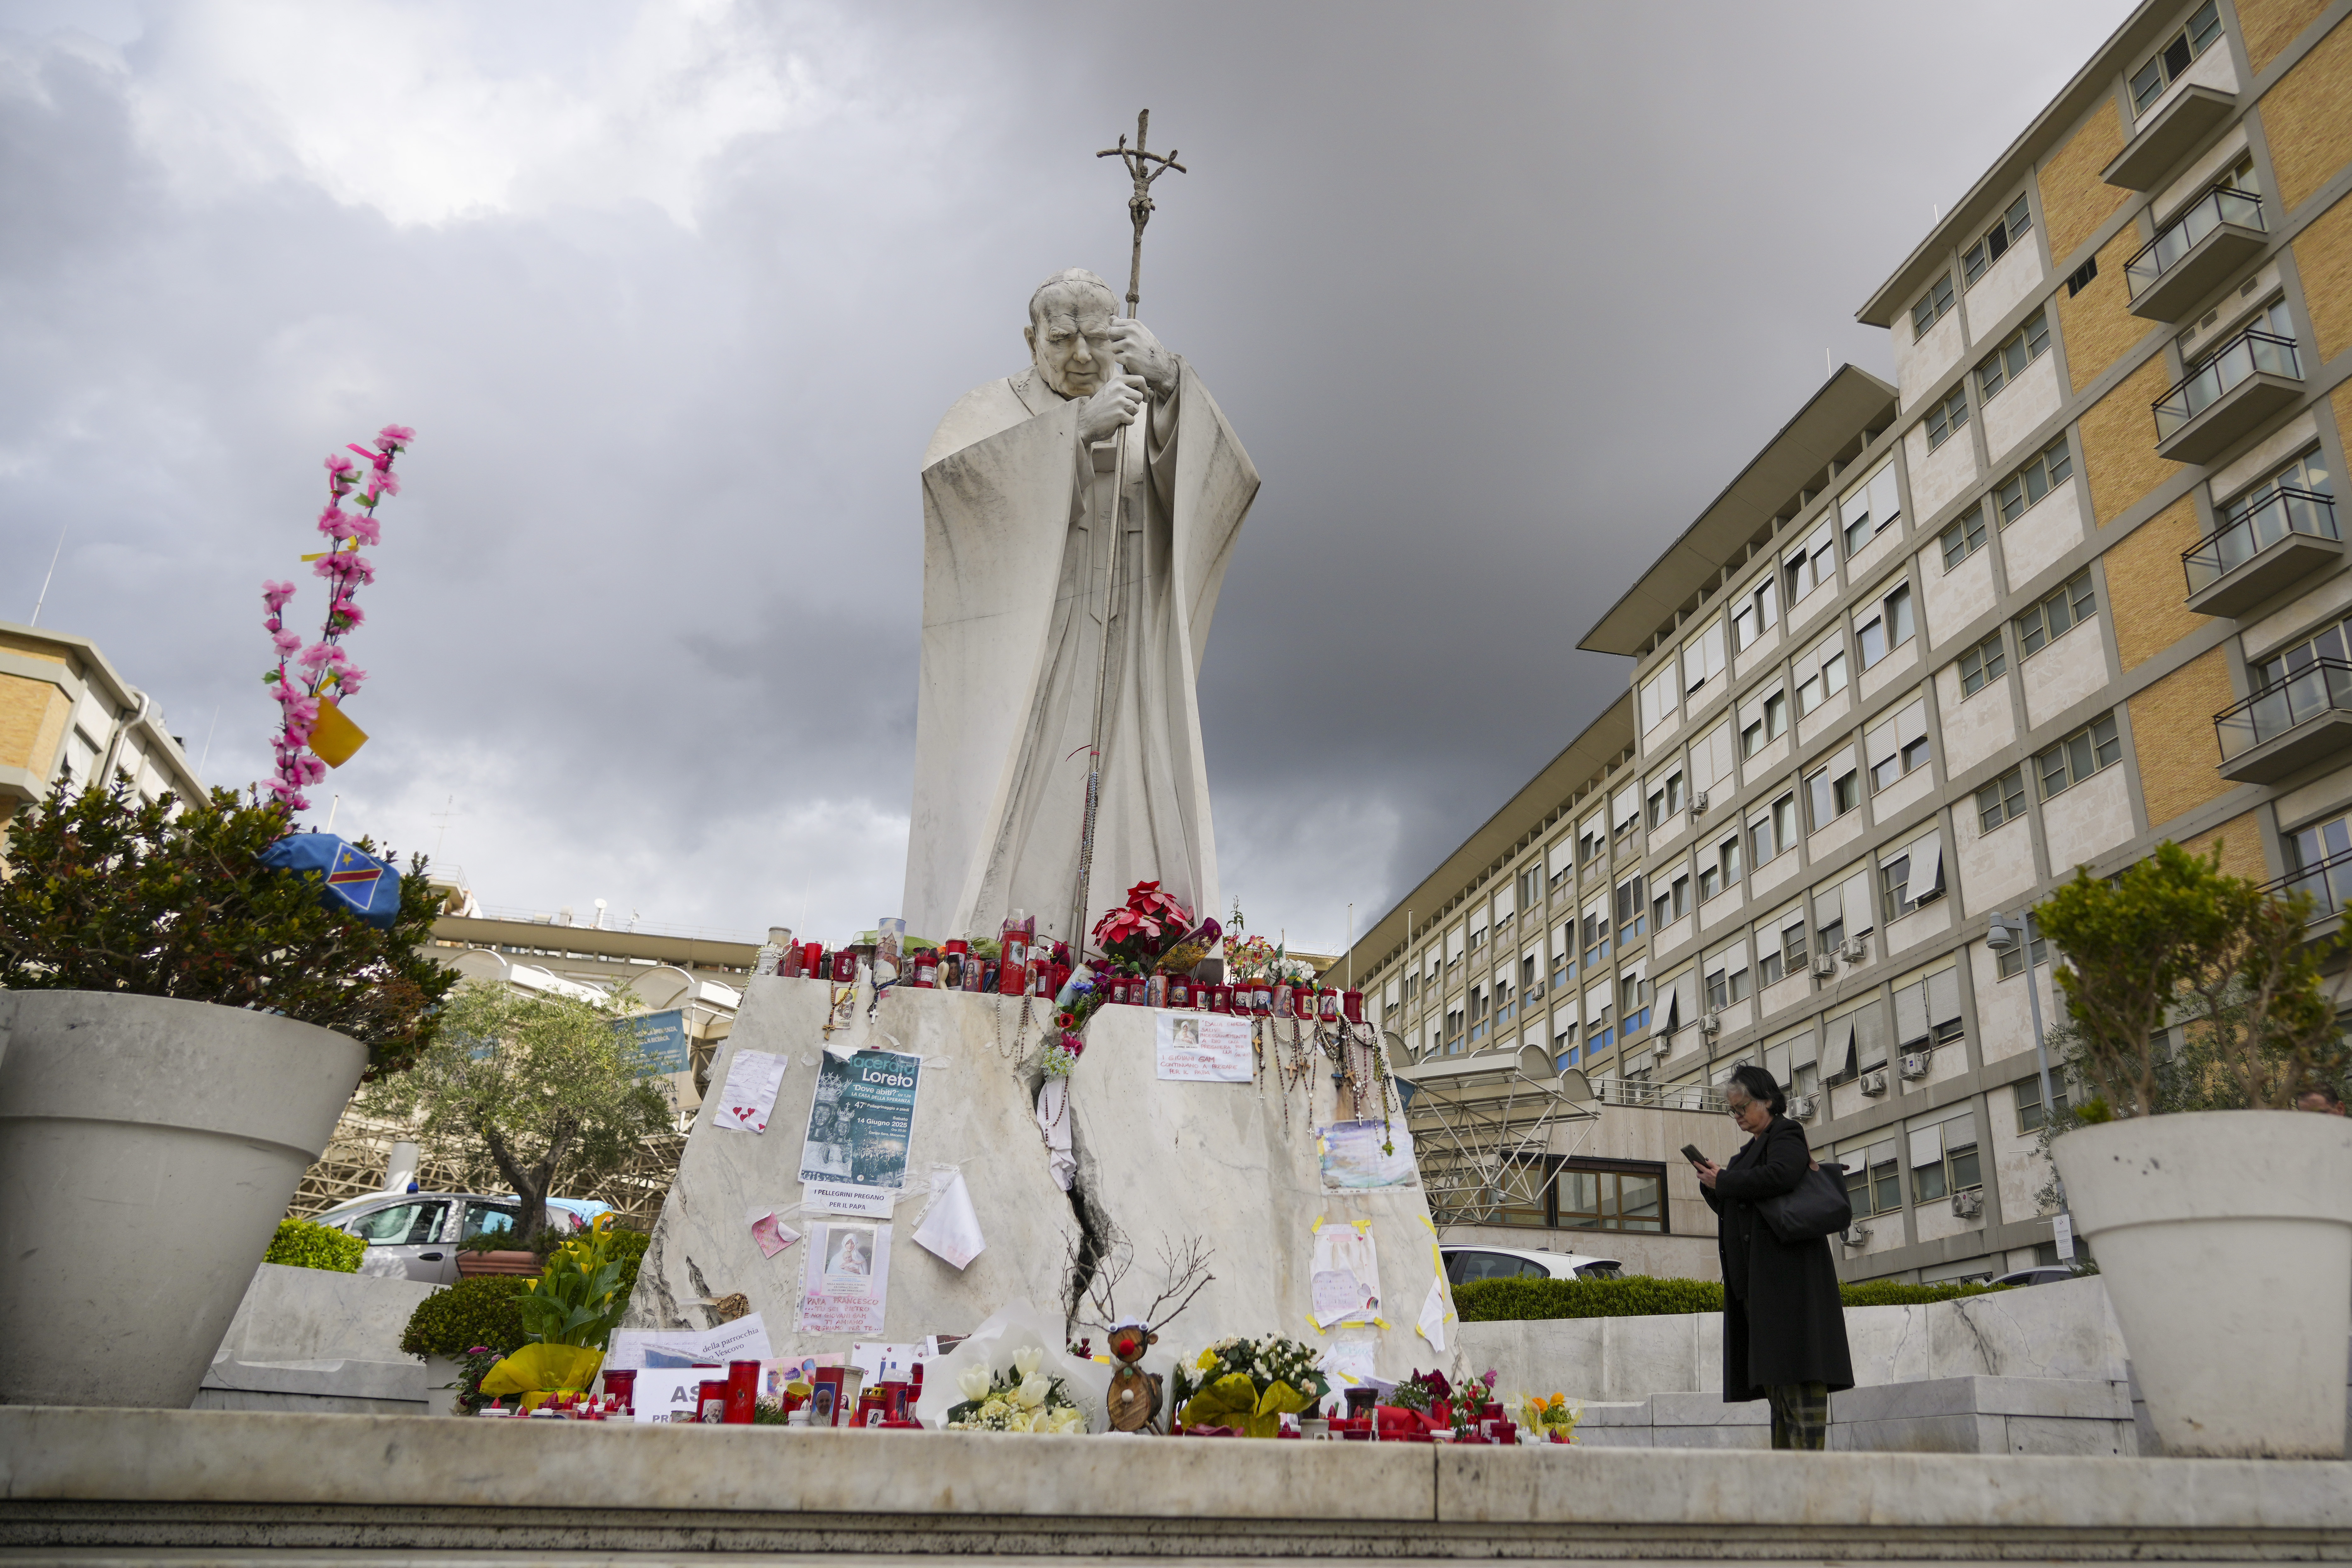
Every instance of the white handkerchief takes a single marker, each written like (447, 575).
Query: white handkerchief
(953, 1228)
(1432, 1326)
(752, 1080)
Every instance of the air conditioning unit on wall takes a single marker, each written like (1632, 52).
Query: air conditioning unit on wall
(1699, 803)
(1710, 1023)
(1857, 949)
(1967, 1204)
(1826, 965)
(1803, 1106)
(1857, 1237)
(1875, 1081)
(1915, 1064)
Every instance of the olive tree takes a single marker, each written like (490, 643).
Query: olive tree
(537, 1088)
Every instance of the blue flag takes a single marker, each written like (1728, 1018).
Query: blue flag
(350, 880)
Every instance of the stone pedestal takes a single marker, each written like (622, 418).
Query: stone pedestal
(316, 1340)
(1154, 1160)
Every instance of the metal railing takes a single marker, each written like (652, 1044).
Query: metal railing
(2230, 365)
(2284, 510)
(2177, 239)
(2319, 687)
(1658, 1097)
(2329, 883)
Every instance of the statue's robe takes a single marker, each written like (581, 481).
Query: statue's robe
(1016, 553)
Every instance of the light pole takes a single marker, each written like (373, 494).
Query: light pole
(2008, 932)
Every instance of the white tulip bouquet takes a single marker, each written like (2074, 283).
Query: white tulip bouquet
(1024, 1399)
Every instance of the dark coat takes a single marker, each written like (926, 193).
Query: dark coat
(1783, 1318)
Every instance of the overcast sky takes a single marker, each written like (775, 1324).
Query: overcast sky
(1496, 296)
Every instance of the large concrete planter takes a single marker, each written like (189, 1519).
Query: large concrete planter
(148, 1147)
(2225, 1241)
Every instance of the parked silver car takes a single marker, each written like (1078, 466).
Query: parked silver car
(414, 1235)
(1466, 1263)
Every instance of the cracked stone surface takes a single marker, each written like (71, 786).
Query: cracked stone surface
(1154, 1159)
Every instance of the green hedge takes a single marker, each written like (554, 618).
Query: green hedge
(476, 1312)
(1641, 1295)
(304, 1244)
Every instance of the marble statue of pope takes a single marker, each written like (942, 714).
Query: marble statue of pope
(1017, 519)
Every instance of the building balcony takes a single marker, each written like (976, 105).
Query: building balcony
(2289, 536)
(2171, 135)
(2329, 884)
(2241, 384)
(2196, 254)
(2283, 728)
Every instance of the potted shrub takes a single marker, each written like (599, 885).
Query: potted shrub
(2222, 1219)
(181, 1027)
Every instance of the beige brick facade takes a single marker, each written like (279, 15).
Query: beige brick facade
(2118, 434)
(2074, 200)
(2097, 324)
(2145, 586)
(32, 721)
(2323, 255)
(2270, 26)
(2307, 119)
(2239, 841)
(2172, 730)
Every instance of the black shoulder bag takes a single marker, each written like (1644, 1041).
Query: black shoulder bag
(1818, 1206)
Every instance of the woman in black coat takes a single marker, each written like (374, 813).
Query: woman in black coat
(1783, 1322)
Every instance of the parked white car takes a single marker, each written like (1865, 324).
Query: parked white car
(414, 1235)
(1465, 1262)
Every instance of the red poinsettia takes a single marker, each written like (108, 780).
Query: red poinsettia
(1145, 899)
(1122, 926)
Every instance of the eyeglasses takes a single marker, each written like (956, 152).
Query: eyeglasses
(1736, 1111)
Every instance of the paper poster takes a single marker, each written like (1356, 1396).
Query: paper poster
(862, 1120)
(745, 1339)
(1348, 1362)
(671, 1392)
(952, 1228)
(772, 1235)
(1354, 1159)
(750, 1096)
(858, 1203)
(1431, 1325)
(1347, 1276)
(1205, 1047)
(883, 1362)
(846, 1278)
(2061, 1232)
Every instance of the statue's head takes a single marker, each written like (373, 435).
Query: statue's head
(1070, 318)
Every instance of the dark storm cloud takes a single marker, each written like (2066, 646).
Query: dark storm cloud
(1497, 297)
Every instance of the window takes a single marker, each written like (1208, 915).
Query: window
(1927, 1009)
(1834, 789)
(1530, 887)
(2007, 362)
(1669, 904)
(1870, 508)
(1758, 613)
(1792, 941)
(1624, 1195)
(1888, 627)
(2148, 82)
(400, 1224)
(1947, 418)
(1944, 1159)
(2014, 224)
(1874, 1179)
(2027, 1092)
(1762, 720)
(1897, 744)
(1910, 879)
(1703, 657)
(1932, 307)
(1665, 797)
(1773, 830)
(2023, 489)
(1812, 563)
(1964, 538)
(2011, 961)
(1659, 700)
(1595, 933)
(2001, 801)
(1720, 870)
(1633, 1004)
(1981, 666)
(483, 1218)
(1630, 910)
(2288, 663)
(2087, 750)
(2068, 606)
(1821, 673)
(1625, 806)
(2298, 496)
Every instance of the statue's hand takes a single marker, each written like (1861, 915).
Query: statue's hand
(1140, 353)
(1115, 404)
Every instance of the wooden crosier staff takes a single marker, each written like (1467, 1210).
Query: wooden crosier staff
(1141, 171)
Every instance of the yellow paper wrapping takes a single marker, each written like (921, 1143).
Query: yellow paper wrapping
(334, 737)
(537, 1371)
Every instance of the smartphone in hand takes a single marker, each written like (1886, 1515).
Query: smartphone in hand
(1690, 1152)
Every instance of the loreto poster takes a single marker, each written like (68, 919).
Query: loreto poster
(1205, 1047)
(1359, 1155)
(862, 1120)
